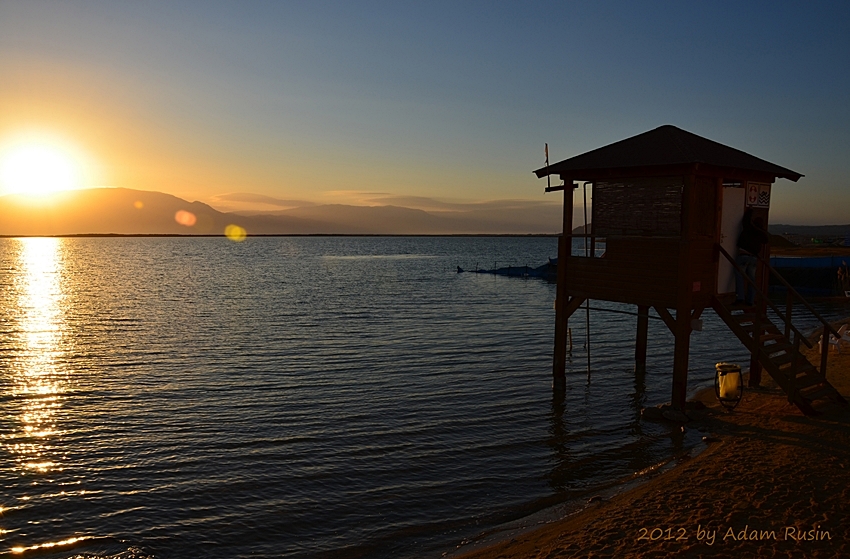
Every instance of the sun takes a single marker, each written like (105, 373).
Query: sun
(38, 168)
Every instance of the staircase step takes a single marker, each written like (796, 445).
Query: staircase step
(806, 381)
(782, 359)
(777, 347)
(826, 391)
(766, 329)
(771, 336)
(803, 368)
(764, 321)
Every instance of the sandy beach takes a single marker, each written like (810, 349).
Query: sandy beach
(771, 483)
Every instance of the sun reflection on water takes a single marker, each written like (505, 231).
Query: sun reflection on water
(36, 384)
(48, 545)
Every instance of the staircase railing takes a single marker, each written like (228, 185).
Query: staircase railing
(791, 294)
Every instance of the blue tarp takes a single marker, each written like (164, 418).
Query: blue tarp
(810, 275)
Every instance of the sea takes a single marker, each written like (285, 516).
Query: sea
(305, 397)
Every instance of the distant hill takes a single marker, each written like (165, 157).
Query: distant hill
(129, 212)
(118, 211)
(811, 235)
(811, 230)
(778, 241)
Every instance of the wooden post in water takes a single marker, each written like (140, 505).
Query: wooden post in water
(762, 278)
(681, 354)
(642, 335)
(559, 359)
(755, 349)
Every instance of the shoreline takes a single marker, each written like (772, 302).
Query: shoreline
(768, 482)
(578, 504)
(508, 531)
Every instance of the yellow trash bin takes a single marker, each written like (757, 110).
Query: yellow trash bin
(728, 384)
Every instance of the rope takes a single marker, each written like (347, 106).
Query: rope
(622, 312)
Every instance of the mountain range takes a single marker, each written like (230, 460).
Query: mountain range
(122, 211)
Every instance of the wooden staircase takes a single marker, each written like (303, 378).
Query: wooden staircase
(804, 384)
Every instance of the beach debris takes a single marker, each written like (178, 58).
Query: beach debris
(665, 412)
(675, 415)
(694, 410)
(651, 413)
(595, 498)
(709, 440)
(695, 405)
(696, 414)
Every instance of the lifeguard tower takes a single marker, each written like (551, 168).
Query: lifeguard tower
(669, 205)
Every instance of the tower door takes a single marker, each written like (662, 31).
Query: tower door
(730, 227)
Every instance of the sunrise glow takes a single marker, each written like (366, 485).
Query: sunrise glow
(38, 168)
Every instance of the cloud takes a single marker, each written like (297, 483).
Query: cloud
(249, 202)
(433, 204)
(252, 198)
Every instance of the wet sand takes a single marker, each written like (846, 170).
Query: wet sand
(771, 483)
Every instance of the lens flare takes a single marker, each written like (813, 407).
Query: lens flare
(185, 218)
(138, 204)
(235, 233)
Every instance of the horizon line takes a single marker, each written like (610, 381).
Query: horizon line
(103, 235)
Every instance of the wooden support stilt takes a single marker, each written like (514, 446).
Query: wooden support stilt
(559, 359)
(824, 349)
(684, 299)
(641, 339)
(755, 363)
(681, 354)
(761, 312)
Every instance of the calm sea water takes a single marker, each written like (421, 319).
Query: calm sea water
(305, 397)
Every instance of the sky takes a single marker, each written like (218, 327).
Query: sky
(428, 102)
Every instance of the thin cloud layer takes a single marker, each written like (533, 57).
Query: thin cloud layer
(248, 201)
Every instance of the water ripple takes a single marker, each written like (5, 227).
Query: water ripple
(302, 397)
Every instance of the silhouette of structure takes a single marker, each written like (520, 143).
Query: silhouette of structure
(668, 205)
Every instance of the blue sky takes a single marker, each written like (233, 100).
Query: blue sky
(449, 100)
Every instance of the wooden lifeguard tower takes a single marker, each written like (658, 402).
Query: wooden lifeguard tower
(669, 205)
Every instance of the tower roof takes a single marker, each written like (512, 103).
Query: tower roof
(665, 146)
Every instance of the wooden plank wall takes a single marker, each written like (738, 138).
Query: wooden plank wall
(642, 271)
(638, 206)
(705, 210)
(703, 269)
